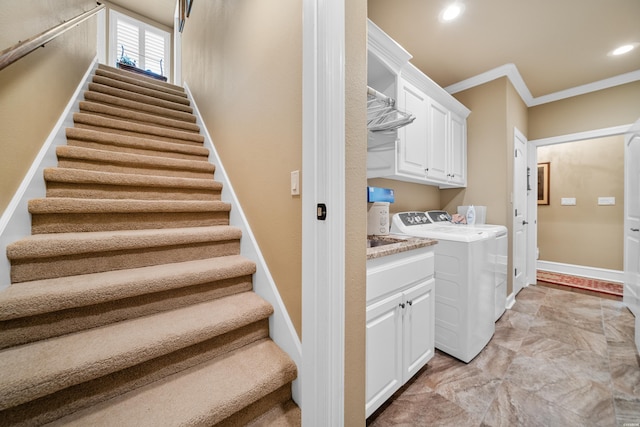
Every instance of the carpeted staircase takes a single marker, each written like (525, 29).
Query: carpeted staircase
(130, 304)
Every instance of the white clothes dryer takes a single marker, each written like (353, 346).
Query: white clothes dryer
(464, 283)
(498, 255)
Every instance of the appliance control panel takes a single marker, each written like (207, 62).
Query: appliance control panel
(413, 218)
(438, 216)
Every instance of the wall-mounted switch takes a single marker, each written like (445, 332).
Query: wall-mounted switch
(606, 201)
(295, 183)
(568, 201)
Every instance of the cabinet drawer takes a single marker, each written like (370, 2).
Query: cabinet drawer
(395, 272)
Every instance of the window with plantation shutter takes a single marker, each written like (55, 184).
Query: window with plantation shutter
(138, 44)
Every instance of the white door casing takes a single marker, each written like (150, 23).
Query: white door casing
(519, 212)
(323, 180)
(631, 292)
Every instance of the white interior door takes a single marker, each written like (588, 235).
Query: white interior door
(519, 212)
(632, 224)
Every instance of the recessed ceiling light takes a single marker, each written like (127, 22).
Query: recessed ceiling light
(623, 49)
(451, 12)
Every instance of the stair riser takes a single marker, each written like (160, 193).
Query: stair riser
(137, 149)
(72, 399)
(253, 411)
(45, 268)
(105, 99)
(111, 125)
(137, 117)
(73, 223)
(140, 77)
(124, 168)
(153, 84)
(33, 328)
(138, 135)
(141, 90)
(90, 191)
(124, 94)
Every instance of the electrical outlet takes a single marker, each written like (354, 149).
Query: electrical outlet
(568, 201)
(606, 201)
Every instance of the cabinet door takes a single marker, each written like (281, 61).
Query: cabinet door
(437, 137)
(384, 351)
(419, 318)
(458, 151)
(412, 147)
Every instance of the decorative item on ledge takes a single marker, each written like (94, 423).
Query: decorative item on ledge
(185, 11)
(127, 67)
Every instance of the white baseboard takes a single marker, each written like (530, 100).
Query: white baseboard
(582, 271)
(15, 222)
(281, 328)
(511, 300)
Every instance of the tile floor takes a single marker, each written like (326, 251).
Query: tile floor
(557, 358)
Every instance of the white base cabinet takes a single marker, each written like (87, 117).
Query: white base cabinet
(400, 321)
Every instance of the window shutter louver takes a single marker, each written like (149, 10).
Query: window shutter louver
(128, 37)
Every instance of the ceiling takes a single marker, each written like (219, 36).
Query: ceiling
(556, 45)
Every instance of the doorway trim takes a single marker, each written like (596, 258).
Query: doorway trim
(532, 162)
(323, 181)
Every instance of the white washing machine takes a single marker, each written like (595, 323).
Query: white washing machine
(498, 254)
(465, 288)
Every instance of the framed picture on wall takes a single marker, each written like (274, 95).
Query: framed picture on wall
(543, 183)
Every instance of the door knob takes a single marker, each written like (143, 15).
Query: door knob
(524, 223)
(635, 229)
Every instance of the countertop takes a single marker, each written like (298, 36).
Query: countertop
(396, 243)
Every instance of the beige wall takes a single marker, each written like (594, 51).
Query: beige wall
(615, 106)
(584, 234)
(408, 196)
(242, 61)
(356, 212)
(35, 90)
(496, 109)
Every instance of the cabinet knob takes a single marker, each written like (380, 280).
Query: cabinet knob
(401, 305)
(410, 302)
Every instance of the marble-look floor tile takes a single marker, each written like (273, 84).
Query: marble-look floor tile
(627, 410)
(494, 360)
(513, 406)
(423, 409)
(568, 334)
(515, 319)
(587, 318)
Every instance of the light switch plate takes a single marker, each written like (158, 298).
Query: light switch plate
(568, 201)
(606, 201)
(295, 183)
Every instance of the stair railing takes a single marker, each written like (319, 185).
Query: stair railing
(23, 48)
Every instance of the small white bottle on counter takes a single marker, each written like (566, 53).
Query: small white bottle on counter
(471, 215)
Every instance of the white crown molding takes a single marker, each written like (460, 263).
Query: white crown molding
(580, 136)
(511, 72)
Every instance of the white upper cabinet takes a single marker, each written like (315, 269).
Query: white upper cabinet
(432, 149)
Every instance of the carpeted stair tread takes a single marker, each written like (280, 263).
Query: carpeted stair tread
(138, 76)
(65, 205)
(114, 161)
(138, 89)
(127, 104)
(196, 397)
(73, 244)
(148, 83)
(50, 295)
(151, 100)
(155, 132)
(30, 372)
(66, 214)
(133, 144)
(79, 176)
(136, 116)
